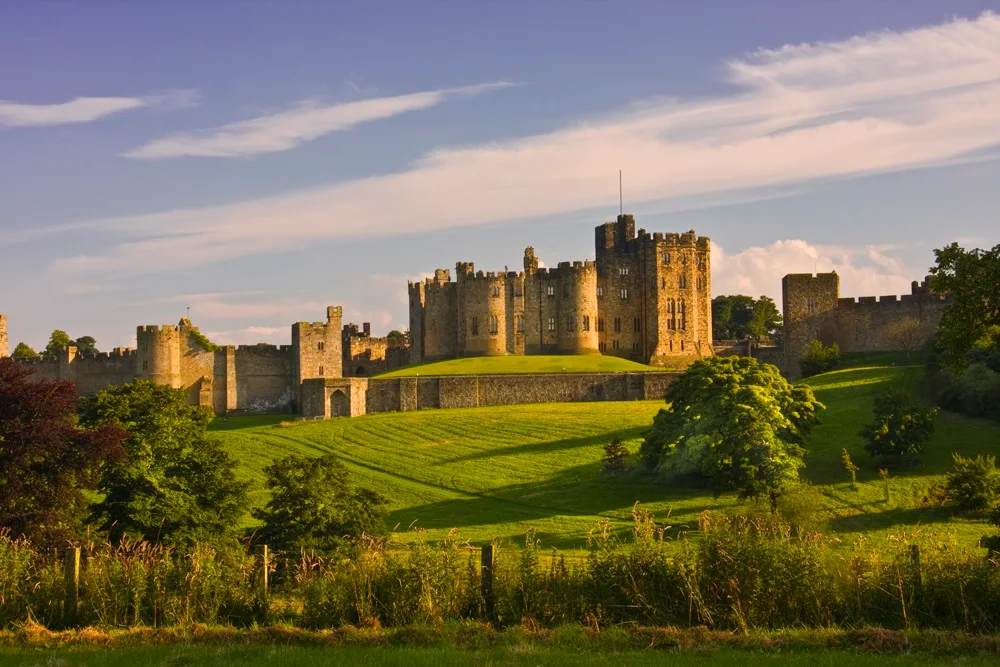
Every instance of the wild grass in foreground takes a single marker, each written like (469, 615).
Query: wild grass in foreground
(479, 644)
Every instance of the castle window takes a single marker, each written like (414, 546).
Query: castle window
(663, 283)
(586, 322)
(683, 316)
(635, 346)
(321, 371)
(319, 346)
(602, 346)
(671, 346)
(145, 365)
(600, 291)
(682, 346)
(550, 290)
(517, 290)
(623, 270)
(618, 324)
(552, 324)
(684, 259)
(615, 344)
(570, 323)
(809, 306)
(496, 291)
(682, 282)
(636, 323)
(519, 323)
(624, 294)
(475, 326)
(600, 324)
(666, 258)
(494, 325)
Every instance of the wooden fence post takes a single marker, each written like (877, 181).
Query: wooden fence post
(487, 582)
(71, 571)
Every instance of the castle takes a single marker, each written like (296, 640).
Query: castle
(646, 297)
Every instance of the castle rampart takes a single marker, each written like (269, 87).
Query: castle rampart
(3, 335)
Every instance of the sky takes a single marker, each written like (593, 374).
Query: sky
(251, 163)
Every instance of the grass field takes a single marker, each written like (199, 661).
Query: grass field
(523, 364)
(281, 656)
(494, 471)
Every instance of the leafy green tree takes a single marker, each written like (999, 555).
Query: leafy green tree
(396, 336)
(818, 358)
(314, 506)
(765, 320)
(615, 456)
(731, 316)
(975, 484)
(23, 352)
(48, 464)
(175, 484)
(58, 341)
(972, 279)
(86, 345)
(900, 426)
(735, 421)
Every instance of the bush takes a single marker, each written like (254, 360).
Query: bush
(900, 426)
(819, 359)
(615, 455)
(975, 483)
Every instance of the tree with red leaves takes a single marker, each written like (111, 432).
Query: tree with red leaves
(47, 462)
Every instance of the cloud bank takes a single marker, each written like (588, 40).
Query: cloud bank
(874, 103)
(308, 120)
(86, 109)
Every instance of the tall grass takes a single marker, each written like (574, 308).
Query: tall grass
(738, 573)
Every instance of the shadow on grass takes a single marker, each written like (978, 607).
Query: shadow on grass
(555, 445)
(893, 518)
(249, 421)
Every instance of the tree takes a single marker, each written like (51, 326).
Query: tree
(907, 333)
(900, 426)
(58, 341)
(23, 352)
(731, 316)
(175, 484)
(852, 470)
(615, 455)
(48, 464)
(396, 337)
(974, 485)
(735, 421)
(86, 345)
(972, 279)
(765, 321)
(314, 506)
(818, 358)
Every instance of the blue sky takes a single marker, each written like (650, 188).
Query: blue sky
(258, 161)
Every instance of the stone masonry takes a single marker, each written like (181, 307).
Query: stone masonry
(3, 335)
(647, 297)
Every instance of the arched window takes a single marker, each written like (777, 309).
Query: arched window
(682, 282)
(666, 258)
(494, 325)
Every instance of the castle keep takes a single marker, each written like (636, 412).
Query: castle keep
(647, 297)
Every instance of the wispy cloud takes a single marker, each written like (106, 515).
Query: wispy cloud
(875, 103)
(87, 109)
(284, 130)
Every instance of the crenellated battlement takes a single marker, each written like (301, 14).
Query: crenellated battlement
(890, 300)
(158, 328)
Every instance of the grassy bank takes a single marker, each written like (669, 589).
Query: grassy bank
(492, 472)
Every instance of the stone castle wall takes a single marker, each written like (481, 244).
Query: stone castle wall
(813, 309)
(3, 335)
(365, 355)
(320, 397)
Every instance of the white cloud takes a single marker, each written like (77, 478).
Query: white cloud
(284, 130)
(87, 109)
(875, 103)
(863, 271)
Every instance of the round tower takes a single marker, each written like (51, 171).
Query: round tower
(484, 308)
(577, 292)
(158, 354)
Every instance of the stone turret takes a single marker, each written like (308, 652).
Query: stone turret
(3, 335)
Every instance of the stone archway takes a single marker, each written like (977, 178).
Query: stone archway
(340, 404)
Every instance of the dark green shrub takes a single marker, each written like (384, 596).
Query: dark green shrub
(975, 484)
(819, 359)
(615, 456)
(900, 426)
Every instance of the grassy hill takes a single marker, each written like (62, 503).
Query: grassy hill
(551, 363)
(493, 471)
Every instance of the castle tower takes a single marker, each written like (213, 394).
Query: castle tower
(805, 299)
(3, 335)
(482, 312)
(158, 354)
(317, 348)
(577, 305)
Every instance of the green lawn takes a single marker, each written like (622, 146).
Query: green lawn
(551, 363)
(494, 471)
(518, 654)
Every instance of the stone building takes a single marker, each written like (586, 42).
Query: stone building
(365, 355)
(813, 309)
(646, 297)
(3, 335)
(248, 379)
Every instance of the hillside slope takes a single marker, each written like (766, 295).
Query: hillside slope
(492, 471)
